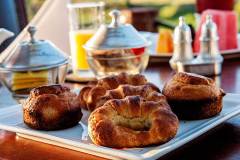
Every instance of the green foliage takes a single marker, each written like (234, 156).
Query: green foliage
(237, 9)
(170, 13)
(169, 10)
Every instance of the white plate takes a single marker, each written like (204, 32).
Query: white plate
(76, 138)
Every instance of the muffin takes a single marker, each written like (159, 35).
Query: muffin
(51, 107)
(193, 96)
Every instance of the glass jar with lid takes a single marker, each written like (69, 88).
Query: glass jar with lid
(116, 48)
(31, 64)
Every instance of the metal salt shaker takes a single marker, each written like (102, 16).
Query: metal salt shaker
(182, 45)
(209, 50)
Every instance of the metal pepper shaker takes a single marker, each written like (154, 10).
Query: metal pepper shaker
(182, 44)
(209, 50)
(209, 60)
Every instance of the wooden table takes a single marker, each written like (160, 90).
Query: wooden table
(221, 143)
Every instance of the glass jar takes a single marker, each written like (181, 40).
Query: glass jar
(117, 48)
(32, 64)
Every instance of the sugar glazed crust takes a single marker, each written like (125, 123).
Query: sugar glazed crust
(51, 108)
(192, 96)
(132, 122)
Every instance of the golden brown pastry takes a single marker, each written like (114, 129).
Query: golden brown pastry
(192, 96)
(90, 94)
(51, 107)
(132, 122)
(147, 91)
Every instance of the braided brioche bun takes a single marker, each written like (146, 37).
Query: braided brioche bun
(147, 91)
(132, 122)
(90, 95)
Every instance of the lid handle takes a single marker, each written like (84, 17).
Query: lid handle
(181, 21)
(115, 14)
(209, 18)
(32, 30)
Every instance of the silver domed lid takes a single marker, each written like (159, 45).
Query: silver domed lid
(209, 30)
(34, 55)
(116, 36)
(182, 32)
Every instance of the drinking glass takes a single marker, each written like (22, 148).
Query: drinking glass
(84, 19)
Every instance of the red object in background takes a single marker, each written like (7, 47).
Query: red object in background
(226, 22)
(214, 4)
(138, 51)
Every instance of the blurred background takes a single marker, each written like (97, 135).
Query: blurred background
(15, 14)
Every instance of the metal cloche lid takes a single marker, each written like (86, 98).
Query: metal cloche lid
(182, 32)
(34, 55)
(209, 30)
(116, 36)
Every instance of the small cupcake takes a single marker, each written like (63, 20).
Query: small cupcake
(193, 96)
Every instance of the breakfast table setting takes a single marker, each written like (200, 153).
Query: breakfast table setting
(104, 90)
(222, 142)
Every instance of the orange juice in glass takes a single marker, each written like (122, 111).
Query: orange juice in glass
(84, 18)
(78, 54)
